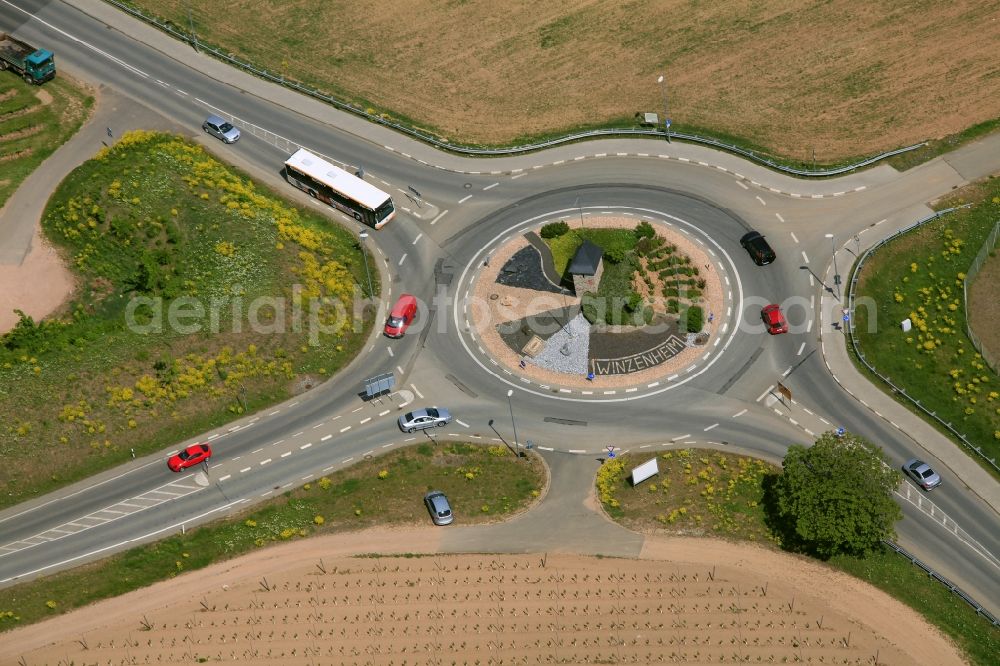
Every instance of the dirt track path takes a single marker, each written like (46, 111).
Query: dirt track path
(34, 277)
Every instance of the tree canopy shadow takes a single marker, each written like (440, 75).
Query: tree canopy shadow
(782, 527)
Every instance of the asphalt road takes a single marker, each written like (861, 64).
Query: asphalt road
(446, 230)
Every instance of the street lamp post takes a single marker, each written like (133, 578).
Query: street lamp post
(517, 450)
(364, 253)
(666, 107)
(836, 273)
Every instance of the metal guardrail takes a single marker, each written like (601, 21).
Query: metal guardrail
(280, 79)
(919, 500)
(970, 275)
(955, 589)
(861, 355)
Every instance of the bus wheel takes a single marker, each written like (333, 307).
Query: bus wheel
(312, 193)
(357, 216)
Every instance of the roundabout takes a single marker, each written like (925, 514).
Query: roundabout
(727, 400)
(542, 329)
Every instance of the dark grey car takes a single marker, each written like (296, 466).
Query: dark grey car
(421, 419)
(221, 129)
(439, 507)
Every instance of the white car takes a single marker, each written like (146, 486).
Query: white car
(421, 419)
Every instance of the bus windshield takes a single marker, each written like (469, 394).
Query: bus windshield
(384, 210)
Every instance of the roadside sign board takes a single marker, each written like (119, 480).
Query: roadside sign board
(644, 471)
(379, 384)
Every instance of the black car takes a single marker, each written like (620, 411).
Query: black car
(758, 248)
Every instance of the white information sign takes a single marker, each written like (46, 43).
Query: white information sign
(644, 471)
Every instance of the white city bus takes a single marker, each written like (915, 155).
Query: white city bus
(341, 189)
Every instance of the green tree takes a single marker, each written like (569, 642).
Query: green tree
(836, 496)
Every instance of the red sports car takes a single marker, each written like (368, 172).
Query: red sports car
(189, 457)
(771, 314)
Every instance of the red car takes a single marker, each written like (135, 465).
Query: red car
(771, 314)
(401, 316)
(189, 457)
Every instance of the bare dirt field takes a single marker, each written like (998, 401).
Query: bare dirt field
(841, 77)
(682, 601)
(42, 275)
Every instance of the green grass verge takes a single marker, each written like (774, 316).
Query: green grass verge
(156, 221)
(612, 241)
(563, 248)
(707, 492)
(919, 276)
(938, 147)
(696, 491)
(894, 575)
(40, 129)
(482, 483)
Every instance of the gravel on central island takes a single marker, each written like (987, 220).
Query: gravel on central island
(574, 339)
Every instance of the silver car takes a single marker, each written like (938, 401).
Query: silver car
(922, 473)
(421, 419)
(221, 129)
(439, 507)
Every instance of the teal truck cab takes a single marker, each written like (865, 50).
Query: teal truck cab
(33, 65)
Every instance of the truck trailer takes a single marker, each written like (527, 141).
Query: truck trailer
(33, 65)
